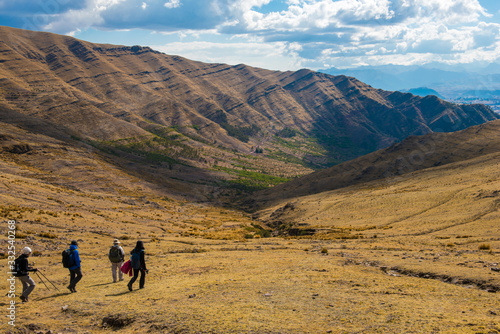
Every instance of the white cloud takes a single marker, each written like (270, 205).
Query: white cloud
(318, 31)
(173, 4)
(278, 56)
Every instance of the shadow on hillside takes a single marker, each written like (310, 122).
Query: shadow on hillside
(101, 284)
(55, 296)
(119, 294)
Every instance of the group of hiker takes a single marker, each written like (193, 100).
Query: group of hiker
(71, 261)
(136, 265)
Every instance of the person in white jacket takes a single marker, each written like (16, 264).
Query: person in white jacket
(116, 256)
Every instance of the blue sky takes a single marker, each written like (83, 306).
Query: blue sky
(279, 34)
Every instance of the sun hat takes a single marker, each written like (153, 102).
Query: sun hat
(26, 251)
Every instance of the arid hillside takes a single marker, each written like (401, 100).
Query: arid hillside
(412, 253)
(425, 184)
(417, 252)
(227, 121)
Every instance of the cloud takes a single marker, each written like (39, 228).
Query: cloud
(325, 30)
(172, 4)
(279, 55)
(161, 15)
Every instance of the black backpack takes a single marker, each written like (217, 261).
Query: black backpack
(17, 269)
(115, 255)
(67, 258)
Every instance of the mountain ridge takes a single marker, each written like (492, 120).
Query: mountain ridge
(219, 118)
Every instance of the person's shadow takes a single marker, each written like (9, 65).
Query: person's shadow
(119, 294)
(60, 294)
(101, 284)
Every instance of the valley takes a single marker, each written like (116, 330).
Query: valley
(268, 202)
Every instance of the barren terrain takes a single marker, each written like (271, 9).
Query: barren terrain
(417, 254)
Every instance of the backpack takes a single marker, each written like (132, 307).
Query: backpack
(17, 268)
(135, 259)
(67, 258)
(115, 255)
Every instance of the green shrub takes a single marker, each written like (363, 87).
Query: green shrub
(286, 133)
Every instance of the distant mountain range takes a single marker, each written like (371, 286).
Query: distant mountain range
(212, 125)
(398, 77)
(422, 91)
(481, 85)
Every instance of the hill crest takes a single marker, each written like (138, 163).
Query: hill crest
(223, 120)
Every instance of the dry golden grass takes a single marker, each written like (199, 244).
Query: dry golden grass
(259, 286)
(416, 265)
(205, 277)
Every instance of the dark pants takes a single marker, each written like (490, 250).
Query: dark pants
(141, 281)
(75, 277)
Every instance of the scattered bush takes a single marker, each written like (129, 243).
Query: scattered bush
(485, 247)
(48, 235)
(324, 250)
(20, 235)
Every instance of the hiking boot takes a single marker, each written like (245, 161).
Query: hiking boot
(129, 287)
(24, 299)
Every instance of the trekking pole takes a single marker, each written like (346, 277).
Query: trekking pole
(38, 271)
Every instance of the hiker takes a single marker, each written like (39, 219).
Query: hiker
(138, 265)
(116, 256)
(75, 270)
(22, 272)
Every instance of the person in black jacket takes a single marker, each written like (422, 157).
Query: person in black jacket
(138, 264)
(23, 269)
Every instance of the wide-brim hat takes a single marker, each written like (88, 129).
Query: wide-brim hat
(116, 242)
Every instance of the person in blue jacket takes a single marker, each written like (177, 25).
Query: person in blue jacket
(138, 264)
(75, 271)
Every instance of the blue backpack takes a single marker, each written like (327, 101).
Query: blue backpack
(135, 259)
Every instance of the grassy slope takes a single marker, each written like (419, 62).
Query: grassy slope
(427, 225)
(257, 286)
